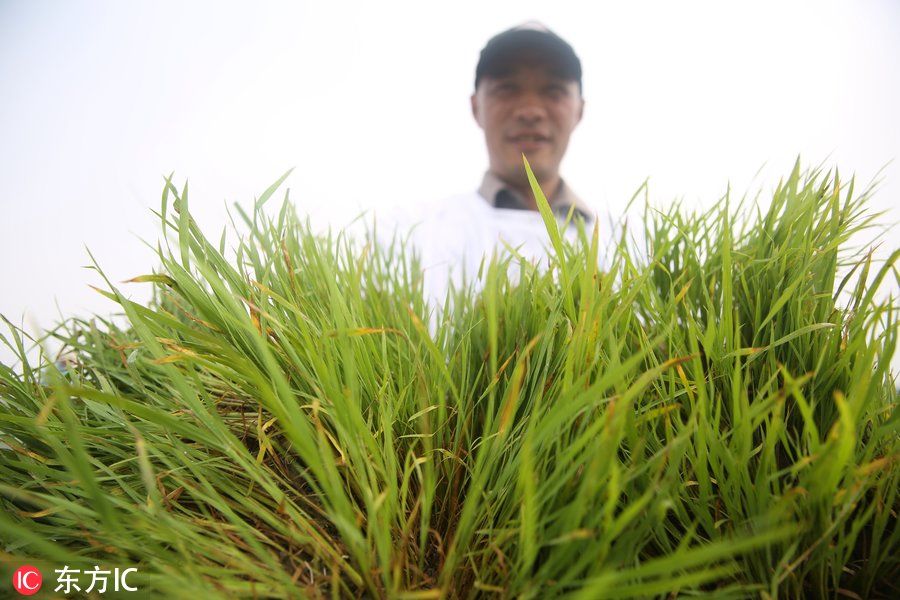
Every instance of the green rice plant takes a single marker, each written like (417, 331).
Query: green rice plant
(708, 413)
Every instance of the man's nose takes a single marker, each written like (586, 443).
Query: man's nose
(530, 110)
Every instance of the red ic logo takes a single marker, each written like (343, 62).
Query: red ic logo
(27, 580)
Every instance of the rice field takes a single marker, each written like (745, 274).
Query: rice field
(706, 412)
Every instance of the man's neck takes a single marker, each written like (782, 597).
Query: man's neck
(549, 186)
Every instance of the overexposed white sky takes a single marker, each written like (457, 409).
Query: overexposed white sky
(368, 101)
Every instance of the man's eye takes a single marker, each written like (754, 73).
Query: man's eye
(555, 92)
(505, 89)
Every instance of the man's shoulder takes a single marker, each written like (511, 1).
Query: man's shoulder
(434, 214)
(461, 202)
(447, 210)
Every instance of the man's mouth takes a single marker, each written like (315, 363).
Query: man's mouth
(528, 142)
(528, 137)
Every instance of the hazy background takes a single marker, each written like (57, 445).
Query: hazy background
(369, 103)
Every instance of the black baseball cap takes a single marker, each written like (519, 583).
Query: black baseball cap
(531, 43)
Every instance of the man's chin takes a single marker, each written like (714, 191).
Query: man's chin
(514, 171)
(540, 170)
(538, 154)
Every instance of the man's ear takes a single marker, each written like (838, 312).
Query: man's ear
(474, 102)
(580, 111)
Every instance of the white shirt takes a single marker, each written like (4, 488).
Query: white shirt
(453, 235)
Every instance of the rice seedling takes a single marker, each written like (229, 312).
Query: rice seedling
(711, 413)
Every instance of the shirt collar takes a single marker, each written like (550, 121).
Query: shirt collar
(499, 195)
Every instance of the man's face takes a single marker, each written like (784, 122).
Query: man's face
(530, 111)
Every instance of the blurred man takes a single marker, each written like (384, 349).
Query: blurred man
(527, 100)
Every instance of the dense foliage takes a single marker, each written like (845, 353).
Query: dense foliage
(710, 411)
